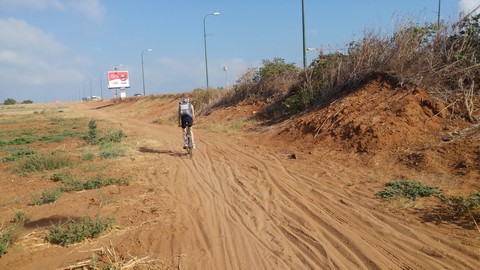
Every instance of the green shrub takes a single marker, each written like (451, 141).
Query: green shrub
(113, 136)
(73, 232)
(88, 156)
(28, 101)
(408, 189)
(48, 196)
(94, 183)
(277, 67)
(57, 119)
(60, 177)
(6, 238)
(112, 150)
(20, 218)
(111, 154)
(18, 153)
(9, 101)
(58, 137)
(299, 100)
(10, 234)
(92, 132)
(72, 185)
(41, 161)
(23, 140)
(461, 206)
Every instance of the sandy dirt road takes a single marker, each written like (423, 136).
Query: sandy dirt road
(241, 205)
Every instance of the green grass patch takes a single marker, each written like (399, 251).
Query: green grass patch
(56, 119)
(71, 185)
(58, 137)
(6, 239)
(112, 150)
(17, 154)
(94, 183)
(56, 177)
(9, 235)
(48, 196)
(460, 206)
(88, 156)
(408, 189)
(114, 136)
(44, 161)
(19, 141)
(76, 231)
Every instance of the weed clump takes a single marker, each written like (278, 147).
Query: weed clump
(408, 189)
(17, 154)
(48, 196)
(94, 183)
(111, 137)
(6, 239)
(76, 231)
(458, 206)
(10, 234)
(42, 161)
(60, 177)
(92, 132)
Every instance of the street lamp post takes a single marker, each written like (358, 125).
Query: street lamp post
(304, 42)
(438, 15)
(91, 93)
(143, 75)
(226, 75)
(205, 42)
(101, 85)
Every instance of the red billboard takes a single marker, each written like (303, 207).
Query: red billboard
(118, 79)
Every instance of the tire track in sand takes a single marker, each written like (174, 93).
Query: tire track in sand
(239, 207)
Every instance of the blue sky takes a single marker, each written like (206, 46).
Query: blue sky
(60, 49)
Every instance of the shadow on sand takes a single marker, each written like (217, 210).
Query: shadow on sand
(101, 107)
(50, 221)
(166, 152)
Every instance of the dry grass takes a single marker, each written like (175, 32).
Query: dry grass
(437, 59)
(107, 258)
(440, 59)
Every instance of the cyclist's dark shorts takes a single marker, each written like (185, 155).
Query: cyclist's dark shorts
(187, 121)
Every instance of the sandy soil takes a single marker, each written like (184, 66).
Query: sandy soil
(291, 196)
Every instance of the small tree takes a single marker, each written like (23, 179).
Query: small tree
(28, 101)
(276, 78)
(277, 67)
(10, 101)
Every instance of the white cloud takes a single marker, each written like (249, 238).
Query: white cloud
(31, 4)
(18, 35)
(92, 8)
(33, 59)
(467, 6)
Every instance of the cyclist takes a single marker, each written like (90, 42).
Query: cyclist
(186, 115)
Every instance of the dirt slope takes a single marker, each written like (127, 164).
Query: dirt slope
(242, 202)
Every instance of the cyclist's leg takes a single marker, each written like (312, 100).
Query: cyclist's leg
(184, 130)
(191, 135)
(190, 123)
